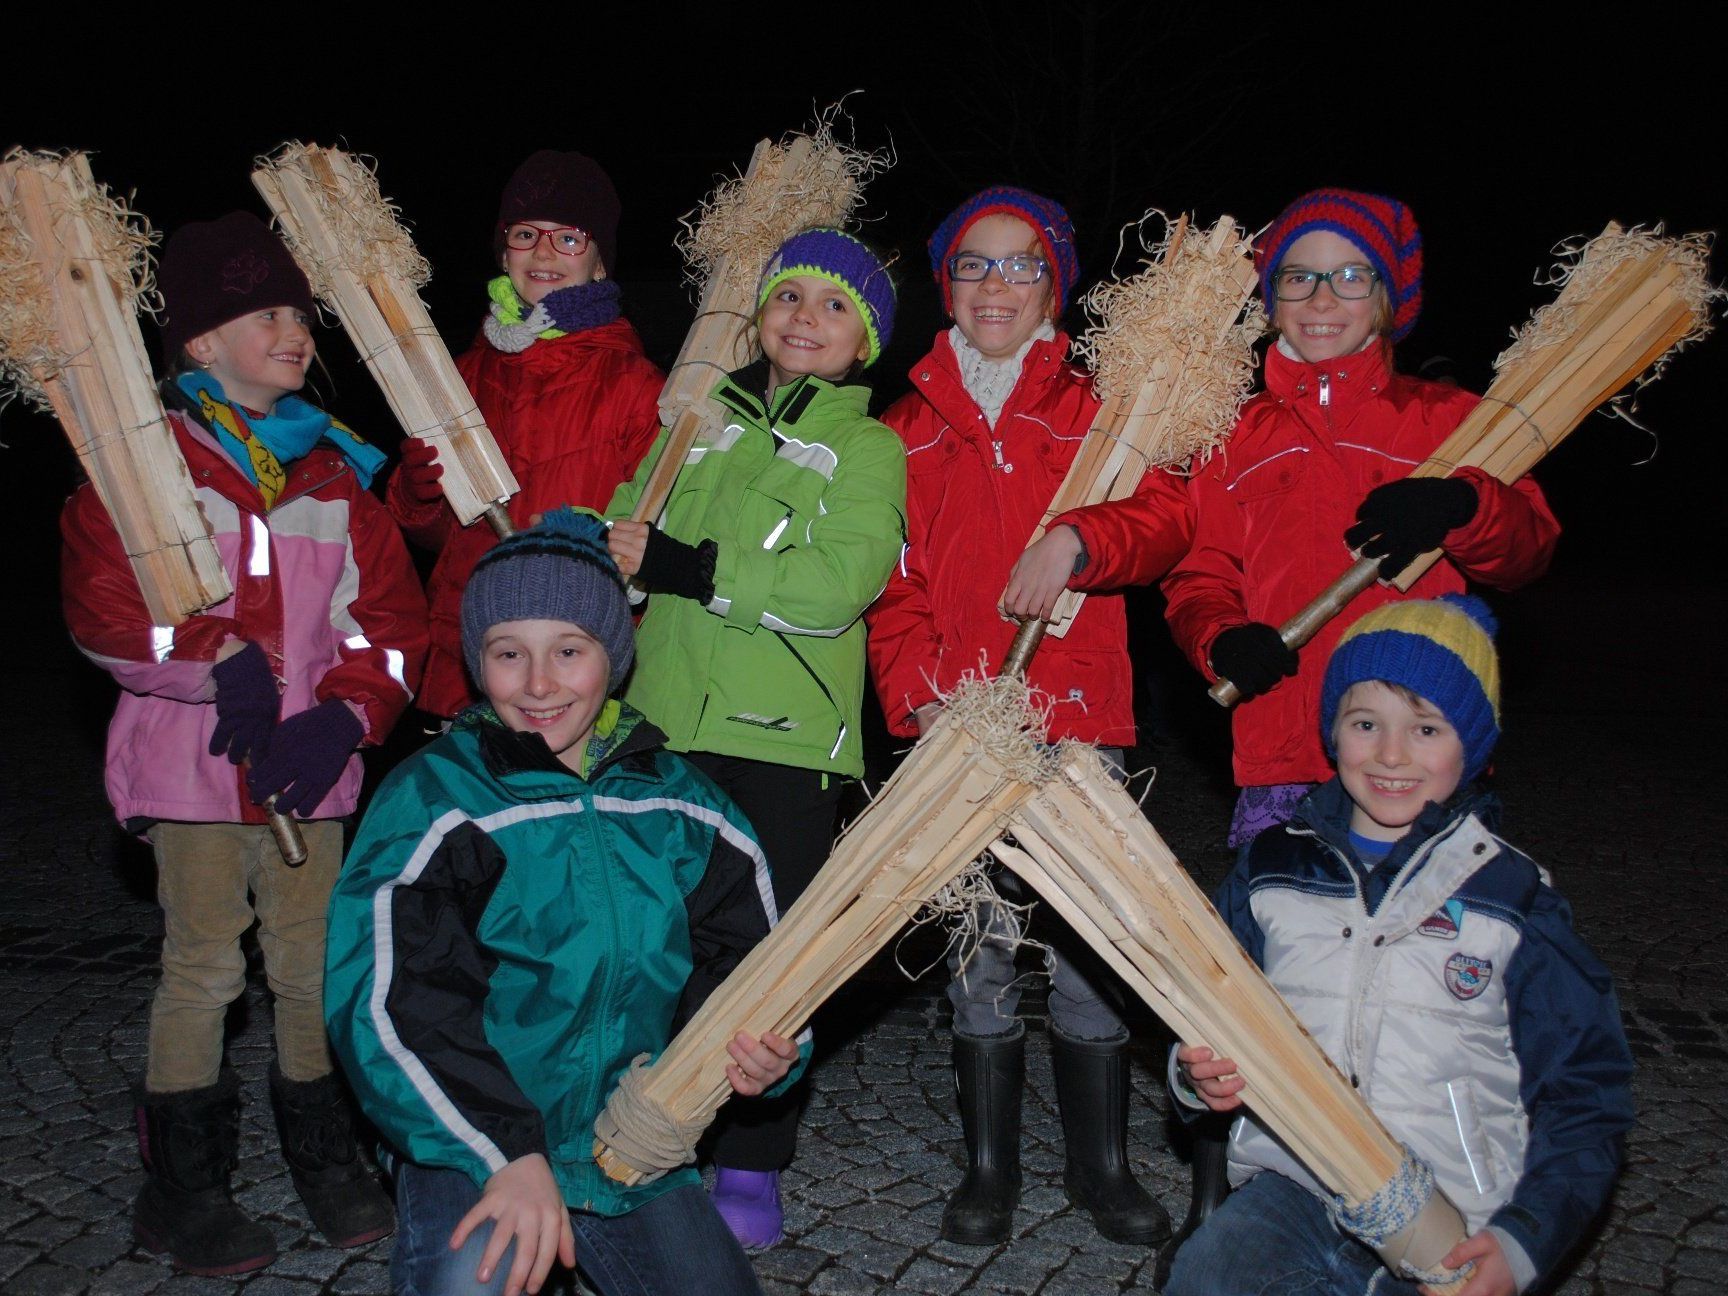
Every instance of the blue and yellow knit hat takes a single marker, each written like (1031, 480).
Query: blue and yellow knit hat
(1441, 649)
(560, 570)
(836, 256)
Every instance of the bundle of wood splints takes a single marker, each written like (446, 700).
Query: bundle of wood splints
(364, 267)
(801, 181)
(74, 265)
(1631, 299)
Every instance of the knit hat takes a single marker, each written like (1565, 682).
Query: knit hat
(1046, 216)
(1441, 649)
(569, 188)
(216, 271)
(841, 259)
(557, 571)
(1382, 228)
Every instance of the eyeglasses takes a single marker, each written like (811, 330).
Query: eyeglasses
(1348, 283)
(566, 240)
(1021, 268)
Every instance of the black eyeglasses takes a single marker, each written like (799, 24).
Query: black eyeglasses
(1348, 283)
(1021, 268)
(566, 240)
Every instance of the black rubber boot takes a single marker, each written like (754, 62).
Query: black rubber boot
(990, 1075)
(339, 1189)
(1209, 1187)
(1092, 1095)
(189, 1142)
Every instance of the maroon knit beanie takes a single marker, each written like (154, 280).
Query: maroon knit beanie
(216, 271)
(1382, 228)
(569, 188)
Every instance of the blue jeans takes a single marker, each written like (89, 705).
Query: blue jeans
(1272, 1237)
(673, 1245)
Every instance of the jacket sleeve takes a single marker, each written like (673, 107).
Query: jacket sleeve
(1203, 592)
(902, 645)
(379, 610)
(1576, 1086)
(1510, 541)
(625, 497)
(427, 525)
(406, 987)
(110, 624)
(1137, 540)
(730, 911)
(822, 586)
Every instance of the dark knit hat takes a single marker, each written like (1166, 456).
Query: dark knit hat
(216, 271)
(557, 571)
(1440, 649)
(1046, 216)
(1382, 228)
(836, 256)
(569, 188)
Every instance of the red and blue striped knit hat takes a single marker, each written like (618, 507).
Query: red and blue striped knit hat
(836, 256)
(1046, 216)
(1382, 228)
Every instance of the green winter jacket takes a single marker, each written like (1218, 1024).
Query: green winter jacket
(807, 502)
(506, 936)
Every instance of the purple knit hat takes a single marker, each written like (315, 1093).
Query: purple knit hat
(1382, 228)
(216, 271)
(1046, 216)
(569, 188)
(836, 256)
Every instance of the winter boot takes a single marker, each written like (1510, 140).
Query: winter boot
(749, 1202)
(1209, 1186)
(989, 1075)
(1092, 1095)
(339, 1190)
(189, 1142)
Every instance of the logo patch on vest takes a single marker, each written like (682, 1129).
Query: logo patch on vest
(779, 724)
(1467, 976)
(1445, 921)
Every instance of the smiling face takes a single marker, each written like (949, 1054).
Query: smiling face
(543, 269)
(1326, 326)
(546, 677)
(998, 317)
(811, 326)
(1393, 758)
(258, 358)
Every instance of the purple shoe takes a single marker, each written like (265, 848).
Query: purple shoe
(749, 1202)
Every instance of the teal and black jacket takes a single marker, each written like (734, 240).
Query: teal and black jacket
(506, 936)
(805, 498)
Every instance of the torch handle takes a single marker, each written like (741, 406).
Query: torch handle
(1026, 641)
(1302, 627)
(287, 834)
(499, 518)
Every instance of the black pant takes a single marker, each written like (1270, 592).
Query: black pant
(793, 814)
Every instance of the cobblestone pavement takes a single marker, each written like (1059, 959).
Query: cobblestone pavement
(1612, 772)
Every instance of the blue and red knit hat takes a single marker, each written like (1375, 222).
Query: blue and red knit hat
(836, 256)
(1046, 216)
(1382, 228)
(1440, 649)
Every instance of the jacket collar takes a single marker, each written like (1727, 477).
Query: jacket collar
(744, 392)
(1351, 379)
(1325, 813)
(937, 377)
(313, 471)
(525, 761)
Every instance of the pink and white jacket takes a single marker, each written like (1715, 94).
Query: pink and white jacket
(322, 583)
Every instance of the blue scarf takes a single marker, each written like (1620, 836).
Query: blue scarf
(263, 444)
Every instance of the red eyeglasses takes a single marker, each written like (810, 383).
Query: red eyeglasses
(566, 240)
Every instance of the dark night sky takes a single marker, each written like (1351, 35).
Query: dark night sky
(1503, 139)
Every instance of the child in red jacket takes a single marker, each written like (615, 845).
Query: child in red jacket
(994, 418)
(1318, 465)
(559, 375)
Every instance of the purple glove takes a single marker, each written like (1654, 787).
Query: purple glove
(246, 705)
(307, 755)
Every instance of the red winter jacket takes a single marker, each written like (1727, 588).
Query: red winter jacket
(322, 583)
(573, 416)
(1270, 514)
(973, 499)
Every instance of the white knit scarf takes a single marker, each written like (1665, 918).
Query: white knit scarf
(990, 382)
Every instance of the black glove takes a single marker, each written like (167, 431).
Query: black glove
(247, 701)
(673, 567)
(1252, 657)
(307, 756)
(1404, 518)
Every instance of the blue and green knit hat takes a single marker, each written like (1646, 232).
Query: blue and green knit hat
(1440, 649)
(836, 256)
(560, 570)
